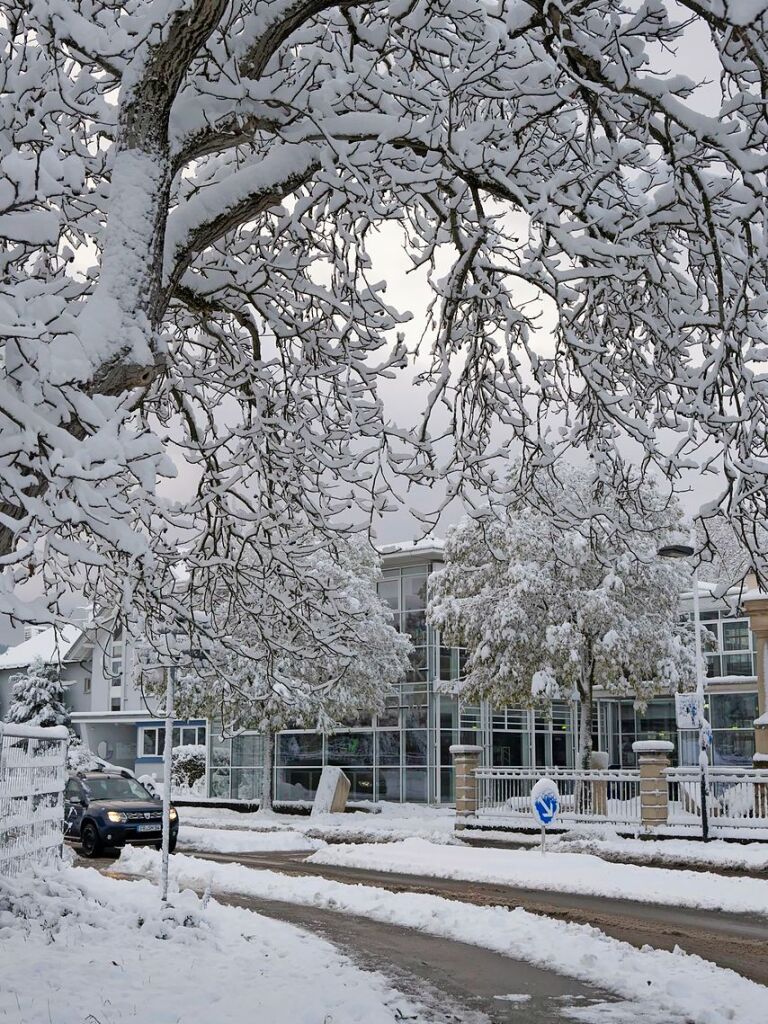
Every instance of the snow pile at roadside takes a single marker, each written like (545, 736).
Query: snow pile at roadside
(604, 842)
(715, 854)
(389, 823)
(680, 987)
(76, 946)
(221, 840)
(556, 872)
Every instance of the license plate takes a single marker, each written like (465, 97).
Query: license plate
(147, 828)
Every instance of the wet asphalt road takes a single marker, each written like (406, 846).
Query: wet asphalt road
(460, 983)
(738, 941)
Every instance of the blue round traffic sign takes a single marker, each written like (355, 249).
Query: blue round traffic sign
(545, 801)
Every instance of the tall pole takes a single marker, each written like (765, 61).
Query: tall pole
(703, 728)
(167, 770)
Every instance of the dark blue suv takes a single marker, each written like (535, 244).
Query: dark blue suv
(107, 809)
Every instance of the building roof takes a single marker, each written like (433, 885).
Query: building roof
(428, 549)
(52, 645)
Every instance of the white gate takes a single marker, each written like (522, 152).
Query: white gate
(32, 779)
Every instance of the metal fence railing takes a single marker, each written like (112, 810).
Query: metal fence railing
(32, 780)
(598, 795)
(737, 797)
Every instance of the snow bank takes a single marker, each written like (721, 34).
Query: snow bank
(81, 947)
(219, 840)
(390, 823)
(556, 872)
(605, 843)
(685, 988)
(715, 854)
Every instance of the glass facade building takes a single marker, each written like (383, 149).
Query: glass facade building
(403, 754)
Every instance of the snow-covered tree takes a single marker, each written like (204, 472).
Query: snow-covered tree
(553, 612)
(37, 697)
(191, 194)
(309, 649)
(726, 563)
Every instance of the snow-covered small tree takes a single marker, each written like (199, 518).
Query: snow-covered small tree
(551, 611)
(37, 697)
(310, 647)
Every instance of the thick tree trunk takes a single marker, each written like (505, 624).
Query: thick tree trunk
(585, 726)
(265, 805)
(583, 789)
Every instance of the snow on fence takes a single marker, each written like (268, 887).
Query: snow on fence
(738, 797)
(32, 780)
(598, 795)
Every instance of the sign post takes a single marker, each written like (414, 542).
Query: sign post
(545, 801)
(689, 708)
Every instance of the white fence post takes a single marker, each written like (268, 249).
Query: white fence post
(32, 780)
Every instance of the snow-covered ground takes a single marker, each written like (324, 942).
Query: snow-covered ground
(389, 823)
(603, 842)
(79, 948)
(691, 852)
(555, 871)
(228, 840)
(661, 987)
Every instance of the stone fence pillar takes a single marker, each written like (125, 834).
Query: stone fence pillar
(598, 761)
(466, 759)
(653, 758)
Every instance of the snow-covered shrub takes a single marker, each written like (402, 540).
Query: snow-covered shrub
(188, 765)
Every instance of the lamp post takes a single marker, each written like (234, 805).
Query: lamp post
(687, 551)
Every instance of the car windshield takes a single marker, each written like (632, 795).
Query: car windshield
(115, 789)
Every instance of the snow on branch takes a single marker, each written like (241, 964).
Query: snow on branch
(193, 193)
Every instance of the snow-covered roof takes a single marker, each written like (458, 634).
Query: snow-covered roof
(51, 645)
(407, 547)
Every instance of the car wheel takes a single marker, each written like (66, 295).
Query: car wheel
(171, 845)
(90, 841)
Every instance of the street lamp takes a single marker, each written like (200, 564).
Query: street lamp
(687, 551)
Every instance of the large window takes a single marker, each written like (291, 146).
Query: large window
(152, 738)
(405, 591)
(523, 737)
(733, 737)
(733, 647)
(115, 666)
(188, 735)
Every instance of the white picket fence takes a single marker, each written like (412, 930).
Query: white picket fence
(32, 779)
(504, 795)
(737, 800)
(737, 797)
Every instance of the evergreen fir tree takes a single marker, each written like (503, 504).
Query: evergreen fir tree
(37, 697)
